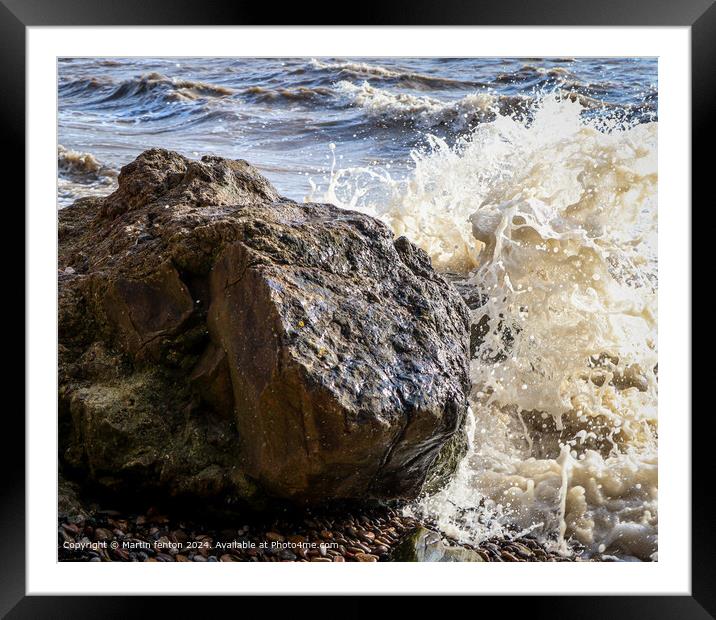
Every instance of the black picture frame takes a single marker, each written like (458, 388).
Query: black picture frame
(699, 15)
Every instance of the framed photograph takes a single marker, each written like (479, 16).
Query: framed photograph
(412, 296)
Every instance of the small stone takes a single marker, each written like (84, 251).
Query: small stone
(366, 557)
(297, 540)
(101, 534)
(65, 536)
(179, 536)
(521, 550)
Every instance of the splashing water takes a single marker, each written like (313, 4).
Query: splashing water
(550, 226)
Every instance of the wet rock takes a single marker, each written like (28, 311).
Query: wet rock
(449, 457)
(217, 340)
(145, 311)
(424, 545)
(68, 500)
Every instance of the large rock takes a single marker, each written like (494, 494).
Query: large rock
(218, 340)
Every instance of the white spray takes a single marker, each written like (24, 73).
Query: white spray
(553, 221)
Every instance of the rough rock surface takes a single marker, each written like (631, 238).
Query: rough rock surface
(218, 340)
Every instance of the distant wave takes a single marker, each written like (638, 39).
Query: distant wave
(170, 88)
(590, 95)
(531, 72)
(389, 108)
(358, 68)
(298, 94)
(85, 86)
(150, 86)
(408, 79)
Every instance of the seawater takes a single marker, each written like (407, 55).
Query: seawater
(532, 183)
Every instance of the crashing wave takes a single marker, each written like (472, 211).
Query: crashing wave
(81, 174)
(81, 166)
(551, 223)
